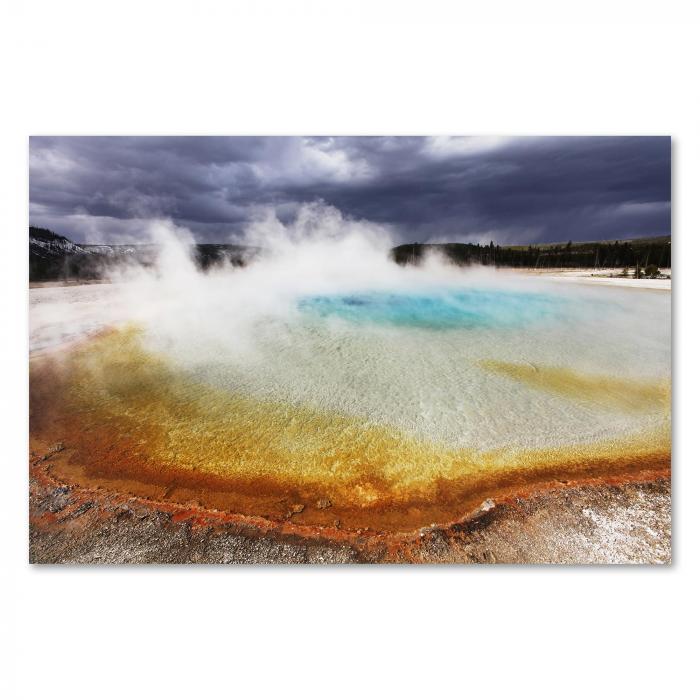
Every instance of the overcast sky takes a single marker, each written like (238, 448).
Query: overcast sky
(509, 190)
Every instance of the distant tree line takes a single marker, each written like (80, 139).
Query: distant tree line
(55, 257)
(608, 254)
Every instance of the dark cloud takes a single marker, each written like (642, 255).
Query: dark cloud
(508, 190)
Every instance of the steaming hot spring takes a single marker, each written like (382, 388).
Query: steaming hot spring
(328, 386)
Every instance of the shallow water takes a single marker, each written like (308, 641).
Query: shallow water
(376, 397)
(436, 365)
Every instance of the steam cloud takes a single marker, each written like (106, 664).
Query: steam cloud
(319, 252)
(202, 317)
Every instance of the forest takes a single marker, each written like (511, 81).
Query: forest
(633, 254)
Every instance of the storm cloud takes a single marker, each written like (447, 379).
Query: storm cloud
(509, 190)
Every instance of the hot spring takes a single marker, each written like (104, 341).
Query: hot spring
(389, 399)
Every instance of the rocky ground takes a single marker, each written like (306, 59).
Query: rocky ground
(587, 524)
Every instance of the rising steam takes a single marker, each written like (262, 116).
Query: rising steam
(262, 330)
(318, 252)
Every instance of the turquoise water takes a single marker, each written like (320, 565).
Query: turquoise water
(442, 309)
